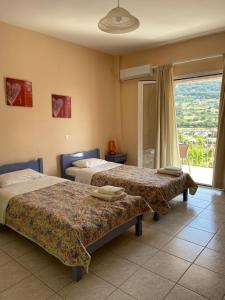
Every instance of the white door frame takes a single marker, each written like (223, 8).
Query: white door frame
(141, 85)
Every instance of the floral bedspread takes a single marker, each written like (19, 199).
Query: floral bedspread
(64, 219)
(156, 189)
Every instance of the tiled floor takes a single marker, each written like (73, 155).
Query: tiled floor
(181, 257)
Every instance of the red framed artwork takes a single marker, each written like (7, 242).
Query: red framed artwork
(61, 106)
(18, 92)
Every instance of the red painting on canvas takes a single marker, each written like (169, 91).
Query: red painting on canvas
(18, 92)
(61, 106)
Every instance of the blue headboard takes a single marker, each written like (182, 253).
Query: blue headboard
(36, 165)
(67, 159)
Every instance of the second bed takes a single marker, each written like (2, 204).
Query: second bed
(156, 189)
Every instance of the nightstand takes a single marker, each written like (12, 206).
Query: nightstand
(120, 158)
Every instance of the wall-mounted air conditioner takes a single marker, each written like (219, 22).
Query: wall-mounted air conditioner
(136, 72)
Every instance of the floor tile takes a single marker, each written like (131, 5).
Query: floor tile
(55, 275)
(171, 224)
(221, 231)
(4, 258)
(185, 209)
(90, 287)
(217, 207)
(10, 274)
(145, 285)
(134, 251)
(19, 247)
(204, 196)
(198, 202)
(168, 266)
(212, 260)
(212, 215)
(194, 235)
(7, 235)
(210, 191)
(36, 260)
(186, 212)
(180, 293)
(204, 282)
(154, 240)
(205, 224)
(112, 268)
(183, 249)
(29, 288)
(119, 295)
(218, 198)
(217, 243)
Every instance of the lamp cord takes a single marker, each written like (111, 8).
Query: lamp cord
(118, 3)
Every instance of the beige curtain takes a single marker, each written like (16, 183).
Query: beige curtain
(167, 153)
(219, 166)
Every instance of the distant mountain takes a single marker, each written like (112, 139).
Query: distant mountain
(197, 103)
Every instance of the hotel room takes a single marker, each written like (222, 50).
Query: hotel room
(112, 156)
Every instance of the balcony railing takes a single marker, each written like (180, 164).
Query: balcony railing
(202, 143)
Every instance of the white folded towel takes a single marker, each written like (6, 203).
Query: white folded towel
(171, 168)
(168, 172)
(110, 190)
(109, 198)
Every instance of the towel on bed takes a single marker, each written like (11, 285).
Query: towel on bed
(110, 190)
(170, 172)
(109, 198)
(171, 168)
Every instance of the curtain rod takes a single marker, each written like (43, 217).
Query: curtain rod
(192, 60)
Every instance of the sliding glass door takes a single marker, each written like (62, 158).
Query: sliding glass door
(197, 107)
(147, 124)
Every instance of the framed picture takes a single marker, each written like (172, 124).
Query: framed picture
(18, 92)
(61, 106)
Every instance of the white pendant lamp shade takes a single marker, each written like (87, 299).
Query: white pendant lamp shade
(118, 20)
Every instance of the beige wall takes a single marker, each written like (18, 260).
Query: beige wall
(192, 49)
(59, 67)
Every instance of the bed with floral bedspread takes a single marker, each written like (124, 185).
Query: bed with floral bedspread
(64, 219)
(156, 189)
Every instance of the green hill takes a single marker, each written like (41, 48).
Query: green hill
(197, 103)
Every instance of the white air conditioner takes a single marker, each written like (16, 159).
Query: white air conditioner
(136, 72)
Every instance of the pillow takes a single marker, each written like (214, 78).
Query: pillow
(89, 162)
(18, 177)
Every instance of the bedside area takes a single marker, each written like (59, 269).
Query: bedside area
(119, 158)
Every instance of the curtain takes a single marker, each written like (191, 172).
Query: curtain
(219, 165)
(167, 152)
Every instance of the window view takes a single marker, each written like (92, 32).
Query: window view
(197, 107)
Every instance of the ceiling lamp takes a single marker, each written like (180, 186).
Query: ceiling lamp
(118, 20)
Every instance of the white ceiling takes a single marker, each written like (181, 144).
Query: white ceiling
(162, 21)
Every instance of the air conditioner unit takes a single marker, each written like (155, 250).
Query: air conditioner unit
(136, 72)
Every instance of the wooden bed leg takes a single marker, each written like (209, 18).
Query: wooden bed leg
(185, 195)
(76, 273)
(138, 226)
(156, 216)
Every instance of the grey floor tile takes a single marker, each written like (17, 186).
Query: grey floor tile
(204, 282)
(145, 285)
